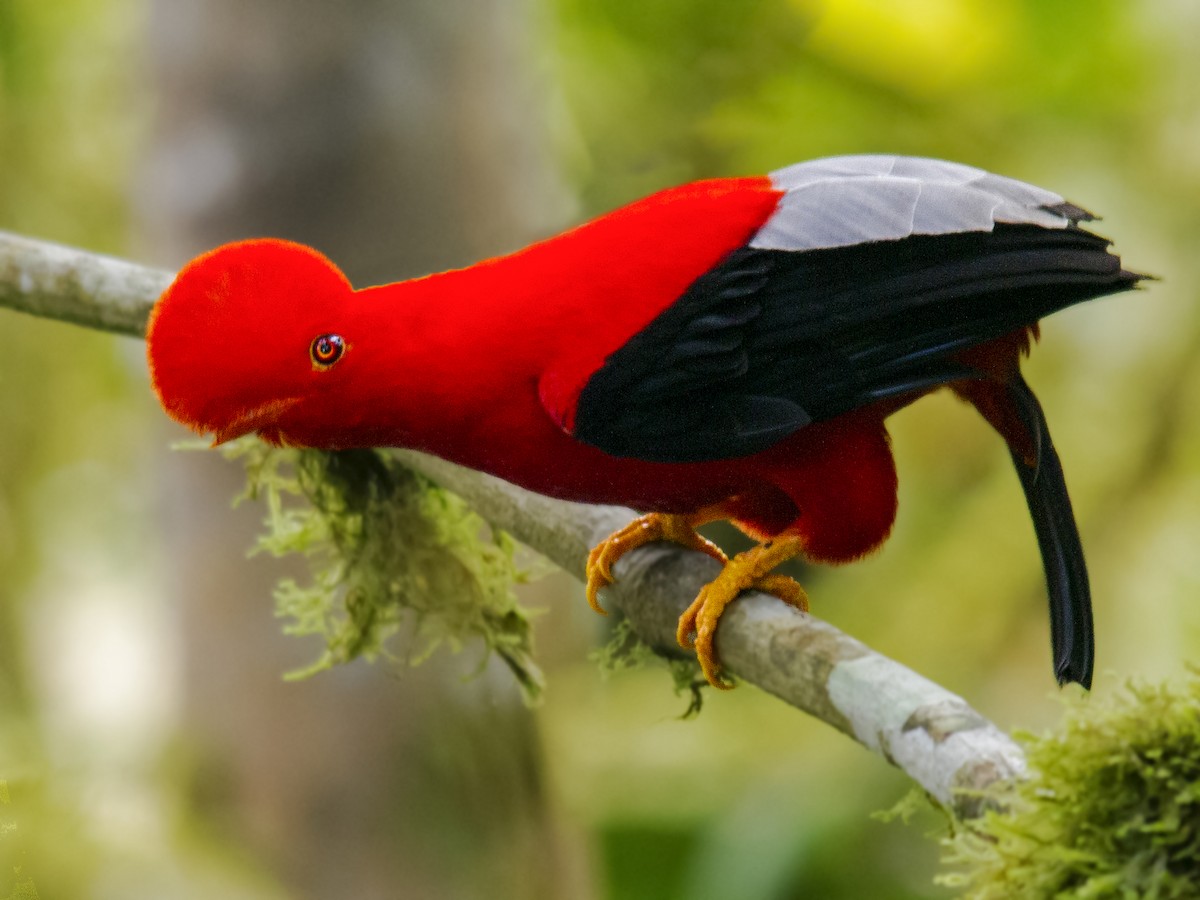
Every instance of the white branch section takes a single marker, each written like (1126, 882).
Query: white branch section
(931, 734)
(58, 282)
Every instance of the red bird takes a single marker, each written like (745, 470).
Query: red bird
(728, 349)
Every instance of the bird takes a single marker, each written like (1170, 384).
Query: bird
(728, 349)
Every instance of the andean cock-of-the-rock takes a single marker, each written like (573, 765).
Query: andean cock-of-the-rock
(728, 349)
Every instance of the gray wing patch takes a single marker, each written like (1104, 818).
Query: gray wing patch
(841, 211)
(921, 168)
(846, 200)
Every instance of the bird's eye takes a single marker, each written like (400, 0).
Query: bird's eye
(326, 350)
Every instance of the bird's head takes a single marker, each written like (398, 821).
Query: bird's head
(247, 336)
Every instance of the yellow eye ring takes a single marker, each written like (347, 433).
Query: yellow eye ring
(326, 349)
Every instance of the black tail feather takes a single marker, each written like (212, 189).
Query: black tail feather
(1058, 538)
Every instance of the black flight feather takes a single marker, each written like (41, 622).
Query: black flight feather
(1071, 633)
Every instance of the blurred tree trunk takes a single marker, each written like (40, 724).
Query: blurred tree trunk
(399, 138)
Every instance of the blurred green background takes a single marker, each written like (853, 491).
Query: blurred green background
(147, 744)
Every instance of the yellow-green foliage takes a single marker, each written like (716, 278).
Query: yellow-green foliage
(383, 545)
(13, 879)
(1112, 808)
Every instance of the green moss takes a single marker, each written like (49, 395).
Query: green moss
(385, 547)
(624, 651)
(1112, 807)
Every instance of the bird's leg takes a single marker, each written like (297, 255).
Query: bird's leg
(745, 571)
(643, 530)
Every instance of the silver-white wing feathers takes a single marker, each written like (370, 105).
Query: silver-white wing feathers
(845, 200)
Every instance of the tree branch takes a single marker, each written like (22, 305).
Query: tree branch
(945, 746)
(57, 282)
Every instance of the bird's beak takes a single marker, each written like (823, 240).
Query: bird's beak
(252, 420)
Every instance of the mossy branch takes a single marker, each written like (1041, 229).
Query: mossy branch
(950, 750)
(1112, 808)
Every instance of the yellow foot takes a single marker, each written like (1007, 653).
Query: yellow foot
(642, 530)
(745, 571)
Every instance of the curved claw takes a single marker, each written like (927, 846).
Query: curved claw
(745, 571)
(599, 575)
(642, 530)
(701, 620)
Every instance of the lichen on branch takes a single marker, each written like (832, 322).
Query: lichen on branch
(385, 546)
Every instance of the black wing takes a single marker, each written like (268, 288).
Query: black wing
(771, 340)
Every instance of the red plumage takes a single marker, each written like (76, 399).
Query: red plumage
(465, 364)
